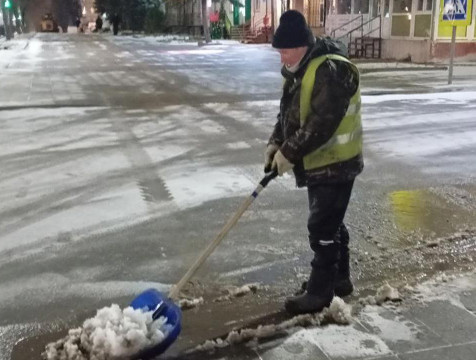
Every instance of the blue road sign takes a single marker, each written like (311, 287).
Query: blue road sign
(457, 11)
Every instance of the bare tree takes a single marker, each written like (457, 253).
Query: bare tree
(6, 24)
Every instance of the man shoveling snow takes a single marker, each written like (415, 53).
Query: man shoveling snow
(112, 333)
(319, 135)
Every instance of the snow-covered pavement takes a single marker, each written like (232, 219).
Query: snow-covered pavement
(121, 158)
(434, 320)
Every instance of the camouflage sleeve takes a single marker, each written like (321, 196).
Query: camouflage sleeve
(336, 82)
(277, 137)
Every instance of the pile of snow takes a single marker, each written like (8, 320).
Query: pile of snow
(338, 313)
(239, 291)
(225, 42)
(165, 38)
(112, 333)
(384, 293)
(445, 287)
(186, 304)
(169, 38)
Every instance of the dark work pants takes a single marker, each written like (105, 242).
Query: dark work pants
(328, 236)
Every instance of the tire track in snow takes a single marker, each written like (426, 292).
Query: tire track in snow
(151, 185)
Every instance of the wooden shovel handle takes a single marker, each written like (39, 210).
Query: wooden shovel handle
(174, 293)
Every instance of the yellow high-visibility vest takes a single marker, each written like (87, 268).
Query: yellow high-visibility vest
(346, 142)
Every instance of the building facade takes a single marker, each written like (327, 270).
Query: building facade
(313, 11)
(409, 29)
(259, 13)
(405, 29)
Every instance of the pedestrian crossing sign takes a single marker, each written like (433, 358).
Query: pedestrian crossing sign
(456, 12)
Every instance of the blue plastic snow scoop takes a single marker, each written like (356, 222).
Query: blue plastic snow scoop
(163, 305)
(159, 303)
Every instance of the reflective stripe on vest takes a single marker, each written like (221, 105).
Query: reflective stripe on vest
(346, 142)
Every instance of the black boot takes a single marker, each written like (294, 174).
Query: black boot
(320, 287)
(319, 293)
(344, 285)
(306, 303)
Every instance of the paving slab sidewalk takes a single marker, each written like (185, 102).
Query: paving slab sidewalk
(435, 321)
(366, 66)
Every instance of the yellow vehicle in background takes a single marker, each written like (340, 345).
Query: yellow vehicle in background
(48, 24)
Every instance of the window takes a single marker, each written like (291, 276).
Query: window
(387, 7)
(361, 6)
(425, 5)
(343, 6)
(402, 6)
(375, 7)
(400, 25)
(422, 26)
(257, 5)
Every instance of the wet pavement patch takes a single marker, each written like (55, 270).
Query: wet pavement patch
(430, 212)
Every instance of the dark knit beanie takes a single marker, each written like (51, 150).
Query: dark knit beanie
(292, 31)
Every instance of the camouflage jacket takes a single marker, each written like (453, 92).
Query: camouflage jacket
(336, 82)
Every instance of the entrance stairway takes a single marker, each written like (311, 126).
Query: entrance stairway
(256, 34)
(360, 44)
(240, 32)
(365, 47)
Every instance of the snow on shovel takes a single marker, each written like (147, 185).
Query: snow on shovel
(163, 305)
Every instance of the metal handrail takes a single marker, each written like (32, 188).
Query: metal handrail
(333, 32)
(360, 27)
(370, 20)
(258, 27)
(371, 31)
(241, 29)
(257, 23)
(238, 29)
